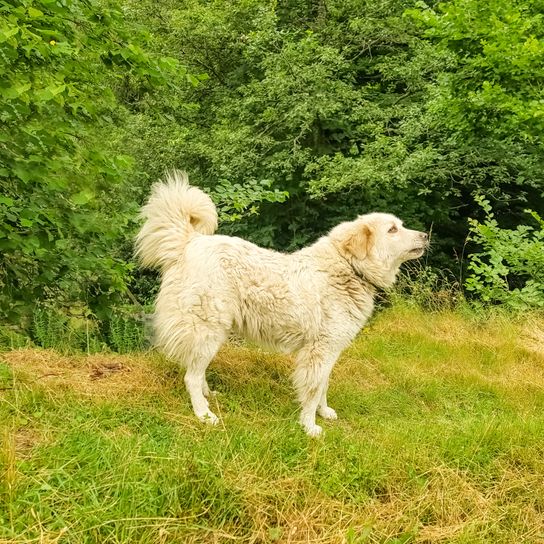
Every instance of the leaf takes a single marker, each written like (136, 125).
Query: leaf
(35, 13)
(16, 90)
(22, 173)
(49, 92)
(83, 197)
(6, 201)
(6, 34)
(193, 80)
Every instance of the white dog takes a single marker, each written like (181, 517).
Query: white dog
(312, 302)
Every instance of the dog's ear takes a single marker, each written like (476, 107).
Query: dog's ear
(359, 241)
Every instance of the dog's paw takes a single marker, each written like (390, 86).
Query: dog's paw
(313, 430)
(209, 417)
(327, 413)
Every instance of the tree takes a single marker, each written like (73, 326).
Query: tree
(352, 106)
(61, 205)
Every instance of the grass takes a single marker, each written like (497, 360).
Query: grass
(441, 439)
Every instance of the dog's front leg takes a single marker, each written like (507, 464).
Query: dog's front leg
(194, 379)
(313, 367)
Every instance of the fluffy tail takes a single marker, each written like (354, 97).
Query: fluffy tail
(174, 211)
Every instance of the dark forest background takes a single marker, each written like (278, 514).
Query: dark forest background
(294, 115)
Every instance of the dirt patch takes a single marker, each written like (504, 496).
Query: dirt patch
(99, 375)
(104, 370)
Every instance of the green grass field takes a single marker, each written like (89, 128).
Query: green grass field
(440, 439)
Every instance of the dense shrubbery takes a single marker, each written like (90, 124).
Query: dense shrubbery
(64, 202)
(509, 266)
(358, 105)
(293, 115)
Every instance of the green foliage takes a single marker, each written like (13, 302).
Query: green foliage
(286, 91)
(127, 331)
(509, 268)
(48, 327)
(352, 106)
(10, 338)
(61, 207)
(293, 115)
(76, 329)
(186, 130)
(66, 330)
(422, 286)
(493, 90)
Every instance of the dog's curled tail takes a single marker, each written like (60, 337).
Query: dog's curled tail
(174, 211)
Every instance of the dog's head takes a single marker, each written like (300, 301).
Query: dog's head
(377, 244)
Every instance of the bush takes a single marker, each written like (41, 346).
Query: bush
(128, 330)
(509, 269)
(66, 329)
(64, 209)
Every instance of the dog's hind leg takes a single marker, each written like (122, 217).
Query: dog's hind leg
(313, 367)
(194, 344)
(197, 360)
(193, 383)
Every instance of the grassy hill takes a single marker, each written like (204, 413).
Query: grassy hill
(440, 439)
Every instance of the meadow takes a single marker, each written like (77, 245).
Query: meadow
(440, 439)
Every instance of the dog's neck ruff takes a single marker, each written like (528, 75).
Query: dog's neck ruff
(365, 279)
(361, 275)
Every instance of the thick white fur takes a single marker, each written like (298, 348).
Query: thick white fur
(312, 302)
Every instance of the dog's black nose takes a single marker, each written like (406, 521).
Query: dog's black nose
(425, 236)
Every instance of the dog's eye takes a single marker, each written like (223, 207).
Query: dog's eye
(393, 229)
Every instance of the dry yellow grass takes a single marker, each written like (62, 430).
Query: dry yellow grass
(97, 375)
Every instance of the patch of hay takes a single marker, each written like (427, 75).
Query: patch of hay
(98, 375)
